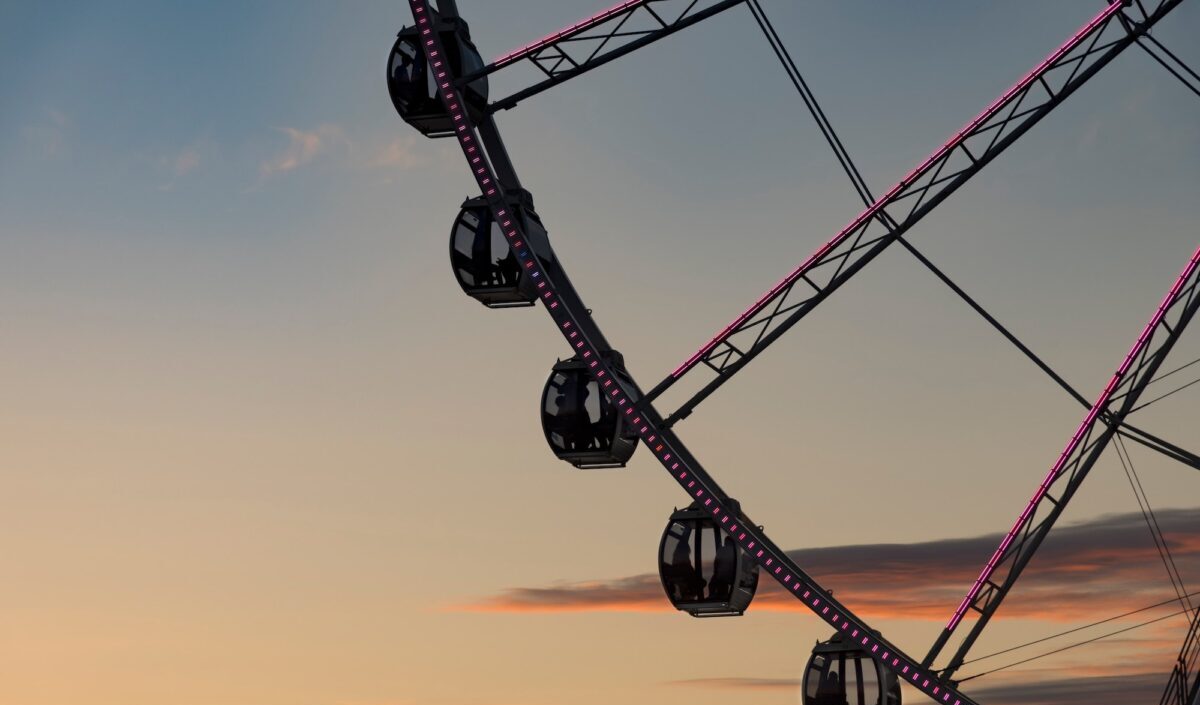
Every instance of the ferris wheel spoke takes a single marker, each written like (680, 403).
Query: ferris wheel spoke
(921, 190)
(1103, 420)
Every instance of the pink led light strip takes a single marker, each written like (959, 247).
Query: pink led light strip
(566, 32)
(692, 480)
(1097, 408)
(909, 179)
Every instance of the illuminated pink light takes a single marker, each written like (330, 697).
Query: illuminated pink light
(1101, 403)
(566, 32)
(911, 177)
(483, 176)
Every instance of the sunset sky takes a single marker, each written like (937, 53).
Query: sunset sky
(258, 449)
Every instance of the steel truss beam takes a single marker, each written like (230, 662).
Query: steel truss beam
(598, 40)
(918, 193)
(1183, 687)
(1103, 420)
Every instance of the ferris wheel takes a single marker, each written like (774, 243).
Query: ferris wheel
(712, 555)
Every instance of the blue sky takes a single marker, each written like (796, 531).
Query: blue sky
(239, 370)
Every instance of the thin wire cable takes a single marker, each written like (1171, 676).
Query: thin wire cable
(1072, 646)
(1181, 368)
(1076, 629)
(1122, 453)
(1160, 542)
(1173, 391)
(1163, 376)
(1157, 528)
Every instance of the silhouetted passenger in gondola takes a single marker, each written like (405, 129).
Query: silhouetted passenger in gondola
(582, 437)
(560, 423)
(508, 269)
(570, 419)
(405, 75)
(720, 588)
(482, 269)
(602, 429)
(830, 691)
(686, 584)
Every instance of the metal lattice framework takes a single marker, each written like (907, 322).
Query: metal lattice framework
(909, 200)
(1114, 29)
(1103, 419)
(1183, 688)
(598, 40)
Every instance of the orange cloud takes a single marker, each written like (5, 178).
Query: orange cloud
(1104, 566)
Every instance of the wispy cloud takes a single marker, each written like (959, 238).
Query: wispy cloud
(331, 142)
(179, 164)
(185, 162)
(304, 146)
(49, 135)
(1106, 565)
(400, 153)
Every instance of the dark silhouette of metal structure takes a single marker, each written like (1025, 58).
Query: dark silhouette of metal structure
(1183, 687)
(703, 571)
(582, 424)
(593, 410)
(840, 674)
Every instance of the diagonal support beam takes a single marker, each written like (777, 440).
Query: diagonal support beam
(1155, 443)
(1183, 686)
(1167, 59)
(953, 164)
(1066, 475)
(1128, 430)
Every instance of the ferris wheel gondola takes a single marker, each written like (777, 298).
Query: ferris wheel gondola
(411, 84)
(838, 673)
(581, 423)
(703, 571)
(484, 265)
